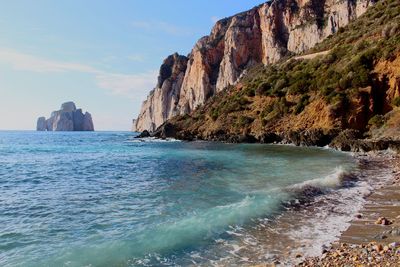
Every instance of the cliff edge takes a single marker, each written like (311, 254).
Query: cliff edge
(345, 92)
(262, 35)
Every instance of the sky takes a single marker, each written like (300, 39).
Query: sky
(103, 55)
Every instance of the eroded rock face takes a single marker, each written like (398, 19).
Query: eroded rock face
(68, 118)
(41, 124)
(88, 122)
(263, 34)
(162, 102)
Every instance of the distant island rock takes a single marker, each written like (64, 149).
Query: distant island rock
(68, 118)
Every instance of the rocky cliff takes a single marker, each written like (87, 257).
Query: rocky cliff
(344, 92)
(68, 118)
(264, 34)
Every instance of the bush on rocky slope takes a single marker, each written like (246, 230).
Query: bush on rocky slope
(338, 90)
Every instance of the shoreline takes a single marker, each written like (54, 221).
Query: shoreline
(316, 220)
(373, 237)
(352, 230)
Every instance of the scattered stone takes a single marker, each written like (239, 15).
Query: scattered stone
(383, 221)
(143, 134)
(378, 248)
(371, 254)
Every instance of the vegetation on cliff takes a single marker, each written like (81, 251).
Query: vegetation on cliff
(262, 35)
(349, 81)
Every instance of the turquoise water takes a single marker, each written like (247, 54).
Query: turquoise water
(106, 199)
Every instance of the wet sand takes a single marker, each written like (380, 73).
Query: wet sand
(384, 203)
(312, 228)
(373, 238)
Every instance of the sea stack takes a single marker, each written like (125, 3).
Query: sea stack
(68, 118)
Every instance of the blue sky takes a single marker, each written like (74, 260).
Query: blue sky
(103, 55)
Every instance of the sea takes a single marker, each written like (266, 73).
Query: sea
(109, 199)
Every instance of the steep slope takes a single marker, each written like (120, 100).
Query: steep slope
(161, 104)
(349, 81)
(264, 34)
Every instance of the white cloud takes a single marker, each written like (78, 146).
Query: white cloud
(127, 85)
(136, 58)
(135, 85)
(161, 26)
(22, 61)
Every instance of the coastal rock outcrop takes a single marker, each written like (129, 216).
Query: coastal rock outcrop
(161, 104)
(264, 34)
(41, 124)
(68, 118)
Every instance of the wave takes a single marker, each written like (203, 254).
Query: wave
(306, 191)
(338, 178)
(152, 140)
(195, 230)
(176, 236)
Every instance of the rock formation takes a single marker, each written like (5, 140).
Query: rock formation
(263, 34)
(68, 118)
(343, 93)
(41, 124)
(161, 103)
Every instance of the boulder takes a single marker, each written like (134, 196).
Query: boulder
(312, 137)
(143, 134)
(167, 130)
(350, 140)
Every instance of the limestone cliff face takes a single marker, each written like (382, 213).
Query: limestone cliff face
(263, 34)
(162, 102)
(68, 118)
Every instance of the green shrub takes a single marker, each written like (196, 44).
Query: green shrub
(376, 121)
(244, 121)
(304, 101)
(346, 81)
(234, 103)
(214, 114)
(267, 109)
(280, 84)
(361, 78)
(282, 106)
(250, 91)
(263, 89)
(396, 101)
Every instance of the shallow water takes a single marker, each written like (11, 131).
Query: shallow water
(106, 199)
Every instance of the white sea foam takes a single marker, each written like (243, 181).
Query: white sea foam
(334, 211)
(332, 180)
(152, 140)
(316, 226)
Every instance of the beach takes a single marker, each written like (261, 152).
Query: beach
(373, 237)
